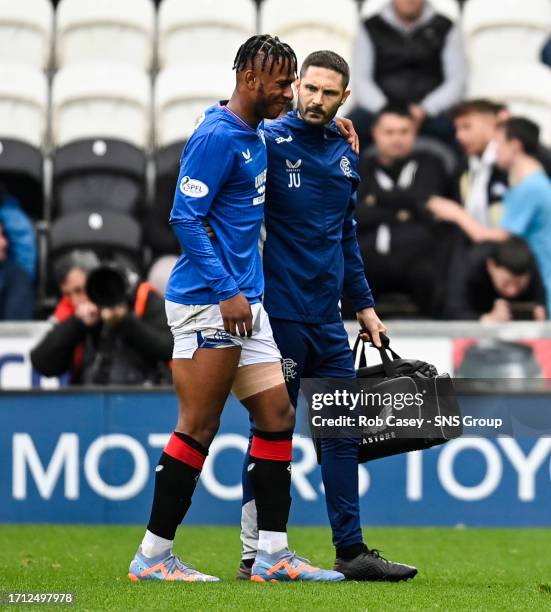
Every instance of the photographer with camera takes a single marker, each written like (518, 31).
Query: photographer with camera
(110, 329)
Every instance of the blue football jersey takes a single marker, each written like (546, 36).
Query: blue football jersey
(222, 179)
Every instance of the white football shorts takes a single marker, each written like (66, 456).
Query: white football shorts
(201, 326)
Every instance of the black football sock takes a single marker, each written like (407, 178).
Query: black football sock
(175, 480)
(270, 473)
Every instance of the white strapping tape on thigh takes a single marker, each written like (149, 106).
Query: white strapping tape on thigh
(255, 378)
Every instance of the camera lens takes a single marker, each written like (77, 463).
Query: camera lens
(107, 287)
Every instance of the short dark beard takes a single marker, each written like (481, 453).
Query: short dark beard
(327, 118)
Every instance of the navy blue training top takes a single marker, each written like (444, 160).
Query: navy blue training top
(311, 254)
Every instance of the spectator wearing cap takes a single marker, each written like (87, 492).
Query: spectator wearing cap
(408, 54)
(527, 204)
(16, 288)
(493, 281)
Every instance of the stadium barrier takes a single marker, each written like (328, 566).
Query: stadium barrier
(88, 457)
(443, 343)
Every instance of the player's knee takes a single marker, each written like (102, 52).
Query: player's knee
(209, 431)
(283, 417)
(202, 430)
(288, 418)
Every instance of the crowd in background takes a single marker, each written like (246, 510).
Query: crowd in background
(454, 207)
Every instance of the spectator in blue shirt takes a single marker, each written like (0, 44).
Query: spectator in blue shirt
(16, 289)
(527, 204)
(19, 229)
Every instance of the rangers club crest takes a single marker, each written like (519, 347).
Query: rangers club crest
(345, 166)
(289, 367)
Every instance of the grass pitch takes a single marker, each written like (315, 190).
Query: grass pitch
(459, 569)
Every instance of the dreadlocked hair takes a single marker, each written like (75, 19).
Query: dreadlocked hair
(268, 47)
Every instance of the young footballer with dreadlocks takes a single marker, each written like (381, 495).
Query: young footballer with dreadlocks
(222, 336)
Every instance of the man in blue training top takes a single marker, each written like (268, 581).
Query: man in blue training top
(311, 256)
(222, 335)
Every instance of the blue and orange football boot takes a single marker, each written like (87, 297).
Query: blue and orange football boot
(166, 566)
(286, 566)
